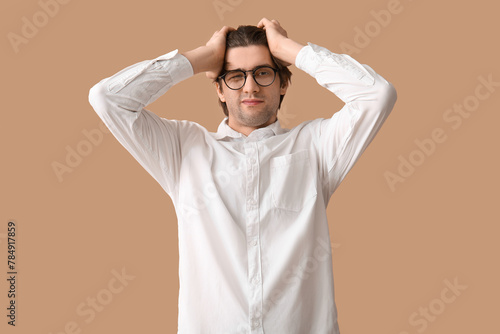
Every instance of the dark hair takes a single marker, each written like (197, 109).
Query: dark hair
(246, 36)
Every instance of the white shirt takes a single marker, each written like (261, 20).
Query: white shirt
(254, 244)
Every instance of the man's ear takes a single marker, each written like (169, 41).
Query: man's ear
(219, 92)
(283, 88)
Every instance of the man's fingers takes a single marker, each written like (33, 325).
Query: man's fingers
(263, 22)
(226, 29)
(222, 33)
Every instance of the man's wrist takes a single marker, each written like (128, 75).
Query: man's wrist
(200, 59)
(289, 49)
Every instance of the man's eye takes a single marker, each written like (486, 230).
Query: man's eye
(263, 72)
(236, 77)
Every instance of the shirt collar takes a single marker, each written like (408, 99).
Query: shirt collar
(224, 131)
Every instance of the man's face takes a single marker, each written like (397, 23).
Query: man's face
(251, 106)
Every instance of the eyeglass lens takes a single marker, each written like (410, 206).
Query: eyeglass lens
(264, 76)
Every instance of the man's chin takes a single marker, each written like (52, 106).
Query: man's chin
(259, 122)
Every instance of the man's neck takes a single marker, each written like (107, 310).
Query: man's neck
(247, 130)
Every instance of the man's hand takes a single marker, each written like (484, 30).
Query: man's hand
(280, 45)
(210, 58)
(217, 45)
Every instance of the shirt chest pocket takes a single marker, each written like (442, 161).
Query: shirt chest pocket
(292, 181)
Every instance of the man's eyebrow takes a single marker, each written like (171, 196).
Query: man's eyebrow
(228, 65)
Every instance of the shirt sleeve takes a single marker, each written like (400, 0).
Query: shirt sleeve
(368, 98)
(120, 100)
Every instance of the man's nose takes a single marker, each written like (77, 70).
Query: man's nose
(251, 85)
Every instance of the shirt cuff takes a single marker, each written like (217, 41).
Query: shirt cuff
(311, 57)
(303, 59)
(182, 68)
(178, 68)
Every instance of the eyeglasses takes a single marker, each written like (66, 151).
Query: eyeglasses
(263, 75)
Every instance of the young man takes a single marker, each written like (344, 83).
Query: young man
(251, 199)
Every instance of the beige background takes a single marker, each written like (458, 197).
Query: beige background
(394, 247)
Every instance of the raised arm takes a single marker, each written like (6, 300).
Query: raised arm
(141, 84)
(120, 102)
(368, 97)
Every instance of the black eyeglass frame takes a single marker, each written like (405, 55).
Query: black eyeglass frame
(275, 70)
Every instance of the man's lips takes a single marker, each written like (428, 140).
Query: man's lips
(252, 102)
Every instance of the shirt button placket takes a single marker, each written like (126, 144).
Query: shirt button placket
(253, 235)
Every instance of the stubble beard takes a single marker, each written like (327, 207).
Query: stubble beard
(255, 118)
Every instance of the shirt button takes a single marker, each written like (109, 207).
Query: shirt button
(252, 161)
(256, 281)
(254, 243)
